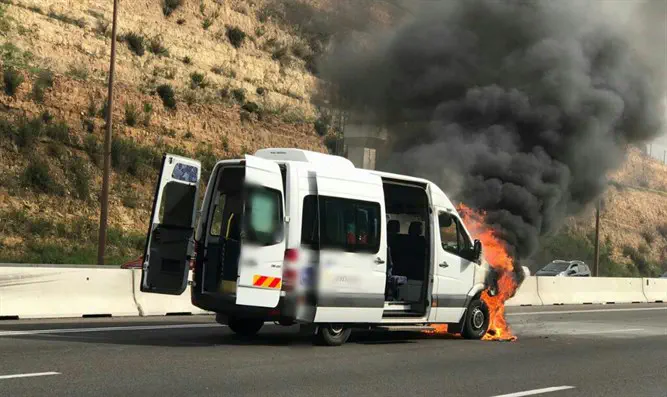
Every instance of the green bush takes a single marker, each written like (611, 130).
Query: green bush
(250, 107)
(59, 132)
(157, 48)
(198, 80)
(236, 36)
(169, 6)
(46, 117)
(13, 80)
(38, 177)
(261, 91)
(239, 94)
(331, 143)
(7, 129)
(131, 114)
(28, 132)
(130, 157)
(207, 23)
(44, 80)
(187, 60)
(148, 112)
(93, 149)
(322, 124)
(167, 95)
(67, 19)
(135, 43)
(80, 177)
(648, 236)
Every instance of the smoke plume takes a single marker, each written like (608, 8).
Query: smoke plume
(518, 108)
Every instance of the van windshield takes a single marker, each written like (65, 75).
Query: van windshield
(263, 216)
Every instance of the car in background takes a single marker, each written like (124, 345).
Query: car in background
(565, 269)
(664, 275)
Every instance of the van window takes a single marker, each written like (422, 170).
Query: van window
(349, 225)
(176, 205)
(452, 235)
(216, 221)
(263, 216)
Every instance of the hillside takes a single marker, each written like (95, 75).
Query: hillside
(209, 79)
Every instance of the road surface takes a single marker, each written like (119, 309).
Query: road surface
(611, 350)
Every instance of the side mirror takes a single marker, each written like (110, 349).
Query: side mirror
(476, 251)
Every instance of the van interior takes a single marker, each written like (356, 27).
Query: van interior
(223, 233)
(407, 208)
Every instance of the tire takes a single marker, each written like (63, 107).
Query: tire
(245, 327)
(476, 320)
(332, 335)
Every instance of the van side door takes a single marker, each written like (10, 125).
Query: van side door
(169, 243)
(351, 273)
(454, 274)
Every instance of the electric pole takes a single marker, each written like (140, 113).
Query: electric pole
(596, 265)
(104, 204)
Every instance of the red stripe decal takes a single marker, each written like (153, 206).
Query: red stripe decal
(260, 281)
(274, 283)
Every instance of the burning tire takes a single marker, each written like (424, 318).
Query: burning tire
(245, 327)
(476, 320)
(332, 335)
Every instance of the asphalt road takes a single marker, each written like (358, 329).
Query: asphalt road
(613, 350)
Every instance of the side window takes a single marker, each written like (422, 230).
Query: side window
(452, 236)
(310, 235)
(349, 225)
(216, 220)
(263, 216)
(175, 198)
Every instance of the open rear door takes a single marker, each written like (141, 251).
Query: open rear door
(263, 239)
(169, 243)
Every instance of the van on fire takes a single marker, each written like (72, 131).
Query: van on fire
(299, 237)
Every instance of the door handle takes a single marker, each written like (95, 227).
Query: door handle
(444, 264)
(379, 261)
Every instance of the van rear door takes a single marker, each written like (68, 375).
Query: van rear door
(169, 243)
(263, 236)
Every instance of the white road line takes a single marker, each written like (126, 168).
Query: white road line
(105, 329)
(28, 375)
(536, 391)
(639, 309)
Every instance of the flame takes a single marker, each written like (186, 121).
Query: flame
(495, 253)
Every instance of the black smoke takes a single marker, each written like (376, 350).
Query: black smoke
(519, 108)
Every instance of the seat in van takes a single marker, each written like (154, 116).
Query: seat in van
(417, 249)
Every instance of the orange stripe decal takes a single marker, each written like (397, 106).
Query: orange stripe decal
(266, 282)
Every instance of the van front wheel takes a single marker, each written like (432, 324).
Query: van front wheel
(476, 320)
(332, 334)
(245, 326)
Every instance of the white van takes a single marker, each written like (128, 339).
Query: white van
(299, 237)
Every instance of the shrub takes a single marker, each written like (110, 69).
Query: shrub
(128, 156)
(45, 78)
(188, 135)
(225, 143)
(92, 148)
(157, 48)
(13, 80)
(88, 125)
(180, 21)
(167, 95)
(38, 177)
(131, 114)
(250, 107)
(130, 199)
(197, 80)
(187, 60)
(169, 6)
(322, 125)
(78, 72)
(648, 236)
(239, 94)
(135, 42)
(102, 28)
(80, 178)
(58, 132)
(261, 91)
(104, 110)
(56, 150)
(207, 23)
(27, 133)
(190, 97)
(280, 54)
(148, 112)
(67, 19)
(217, 70)
(331, 143)
(236, 36)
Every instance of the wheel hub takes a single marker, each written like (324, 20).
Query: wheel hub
(336, 329)
(477, 318)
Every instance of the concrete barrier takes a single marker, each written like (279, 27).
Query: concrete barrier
(160, 305)
(655, 289)
(527, 294)
(589, 290)
(60, 292)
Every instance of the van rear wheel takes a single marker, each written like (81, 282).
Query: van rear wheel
(332, 334)
(245, 327)
(476, 320)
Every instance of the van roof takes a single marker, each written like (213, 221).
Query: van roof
(318, 160)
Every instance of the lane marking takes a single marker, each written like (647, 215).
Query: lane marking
(586, 311)
(536, 391)
(28, 375)
(105, 329)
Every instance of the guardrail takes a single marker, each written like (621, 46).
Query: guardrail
(56, 291)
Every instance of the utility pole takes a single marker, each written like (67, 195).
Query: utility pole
(596, 265)
(104, 211)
